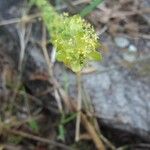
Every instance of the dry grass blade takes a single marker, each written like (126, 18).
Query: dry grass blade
(88, 126)
(92, 132)
(24, 19)
(24, 34)
(10, 147)
(90, 110)
(79, 106)
(77, 2)
(50, 71)
(37, 138)
(58, 99)
(44, 49)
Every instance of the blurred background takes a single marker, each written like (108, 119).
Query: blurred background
(38, 94)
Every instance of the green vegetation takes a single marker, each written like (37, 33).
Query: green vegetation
(74, 39)
(90, 7)
(65, 119)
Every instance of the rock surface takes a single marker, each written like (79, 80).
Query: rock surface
(121, 42)
(120, 95)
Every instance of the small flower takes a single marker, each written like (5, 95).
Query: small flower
(76, 43)
(75, 39)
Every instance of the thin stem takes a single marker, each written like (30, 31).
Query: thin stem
(37, 138)
(79, 106)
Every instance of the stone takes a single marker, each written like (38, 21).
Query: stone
(132, 48)
(121, 42)
(129, 57)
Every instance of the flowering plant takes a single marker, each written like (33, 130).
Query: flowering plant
(74, 39)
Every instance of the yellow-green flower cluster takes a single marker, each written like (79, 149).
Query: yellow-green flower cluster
(75, 40)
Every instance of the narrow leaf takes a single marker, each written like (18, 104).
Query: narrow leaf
(88, 9)
(94, 55)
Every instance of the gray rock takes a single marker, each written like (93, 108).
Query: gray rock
(121, 42)
(131, 54)
(132, 49)
(119, 99)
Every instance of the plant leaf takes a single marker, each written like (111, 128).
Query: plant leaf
(33, 124)
(94, 55)
(88, 9)
(62, 131)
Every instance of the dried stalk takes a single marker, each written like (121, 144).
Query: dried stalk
(37, 138)
(79, 106)
(91, 130)
(50, 71)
